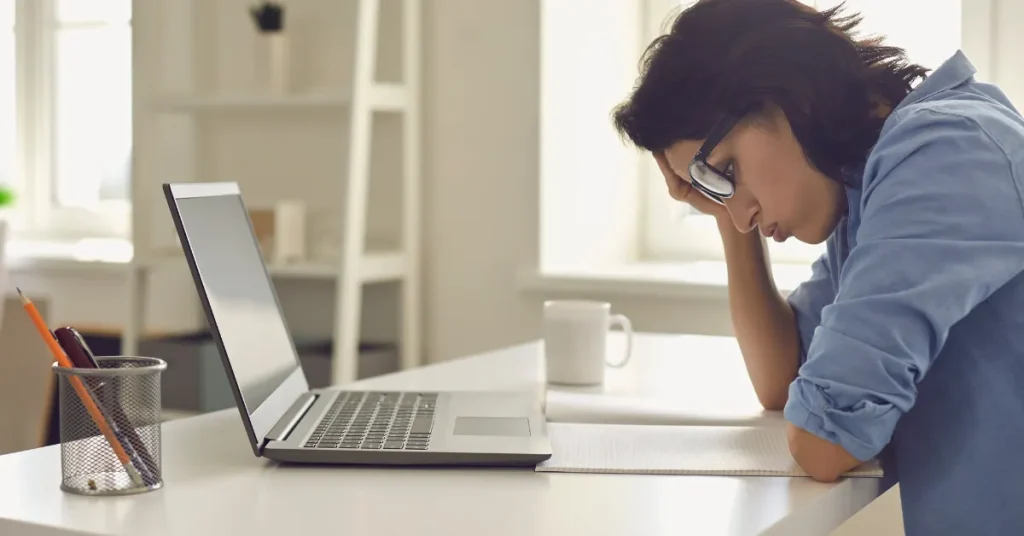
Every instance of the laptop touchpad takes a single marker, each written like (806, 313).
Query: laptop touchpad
(492, 426)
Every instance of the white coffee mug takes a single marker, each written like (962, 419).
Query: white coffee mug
(575, 340)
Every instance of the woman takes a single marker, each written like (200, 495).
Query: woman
(907, 342)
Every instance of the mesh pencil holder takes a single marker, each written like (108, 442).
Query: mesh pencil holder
(110, 426)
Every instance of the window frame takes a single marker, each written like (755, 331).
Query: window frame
(36, 214)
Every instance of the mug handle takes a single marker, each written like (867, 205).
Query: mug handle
(627, 328)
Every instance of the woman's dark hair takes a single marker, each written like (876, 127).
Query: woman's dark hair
(751, 56)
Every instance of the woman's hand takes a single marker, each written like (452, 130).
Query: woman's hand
(681, 190)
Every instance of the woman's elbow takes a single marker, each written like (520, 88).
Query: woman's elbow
(772, 399)
(820, 472)
(821, 460)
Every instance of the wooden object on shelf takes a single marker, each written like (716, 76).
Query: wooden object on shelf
(263, 227)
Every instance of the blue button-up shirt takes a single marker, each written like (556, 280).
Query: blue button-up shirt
(912, 324)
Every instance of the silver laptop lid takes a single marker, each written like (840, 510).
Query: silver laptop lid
(240, 303)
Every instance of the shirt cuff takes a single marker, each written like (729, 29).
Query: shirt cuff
(852, 428)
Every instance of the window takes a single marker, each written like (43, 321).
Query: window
(8, 85)
(68, 92)
(671, 231)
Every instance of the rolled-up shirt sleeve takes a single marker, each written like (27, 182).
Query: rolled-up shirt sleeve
(942, 228)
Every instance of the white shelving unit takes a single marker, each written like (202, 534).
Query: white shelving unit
(356, 265)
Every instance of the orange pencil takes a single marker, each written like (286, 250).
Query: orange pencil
(83, 394)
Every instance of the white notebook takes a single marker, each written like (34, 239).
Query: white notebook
(675, 450)
(577, 407)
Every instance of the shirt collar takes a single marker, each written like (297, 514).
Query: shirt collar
(953, 72)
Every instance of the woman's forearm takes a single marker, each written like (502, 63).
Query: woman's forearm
(763, 322)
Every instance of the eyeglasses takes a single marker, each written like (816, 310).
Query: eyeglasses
(714, 183)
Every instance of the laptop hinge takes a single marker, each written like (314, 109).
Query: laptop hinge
(291, 418)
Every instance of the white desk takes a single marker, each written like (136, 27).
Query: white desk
(214, 485)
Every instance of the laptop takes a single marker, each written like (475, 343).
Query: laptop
(289, 422)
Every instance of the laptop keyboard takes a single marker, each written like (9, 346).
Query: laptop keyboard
(375, 420)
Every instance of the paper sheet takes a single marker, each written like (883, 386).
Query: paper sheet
(573, 407)
(675, 450)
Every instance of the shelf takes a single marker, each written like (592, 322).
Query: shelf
(304, 270)
(388, 97)
(383, 97)
(376, 266)
(234, 101)
(380, 266)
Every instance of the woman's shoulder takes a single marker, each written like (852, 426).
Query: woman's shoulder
(980, 111)
(952, 141)
(950, 159)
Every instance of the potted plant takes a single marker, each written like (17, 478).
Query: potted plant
(6, 197)
(6, 202)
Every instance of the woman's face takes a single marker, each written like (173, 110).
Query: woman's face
(777, 190)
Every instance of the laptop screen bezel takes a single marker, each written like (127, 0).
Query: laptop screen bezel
(262, 419)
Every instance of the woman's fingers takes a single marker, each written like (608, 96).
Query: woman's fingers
(681, 190)
(678, 188)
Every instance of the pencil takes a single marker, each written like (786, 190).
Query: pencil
(83, 394)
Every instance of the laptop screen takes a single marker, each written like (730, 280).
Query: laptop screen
(240, 294)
